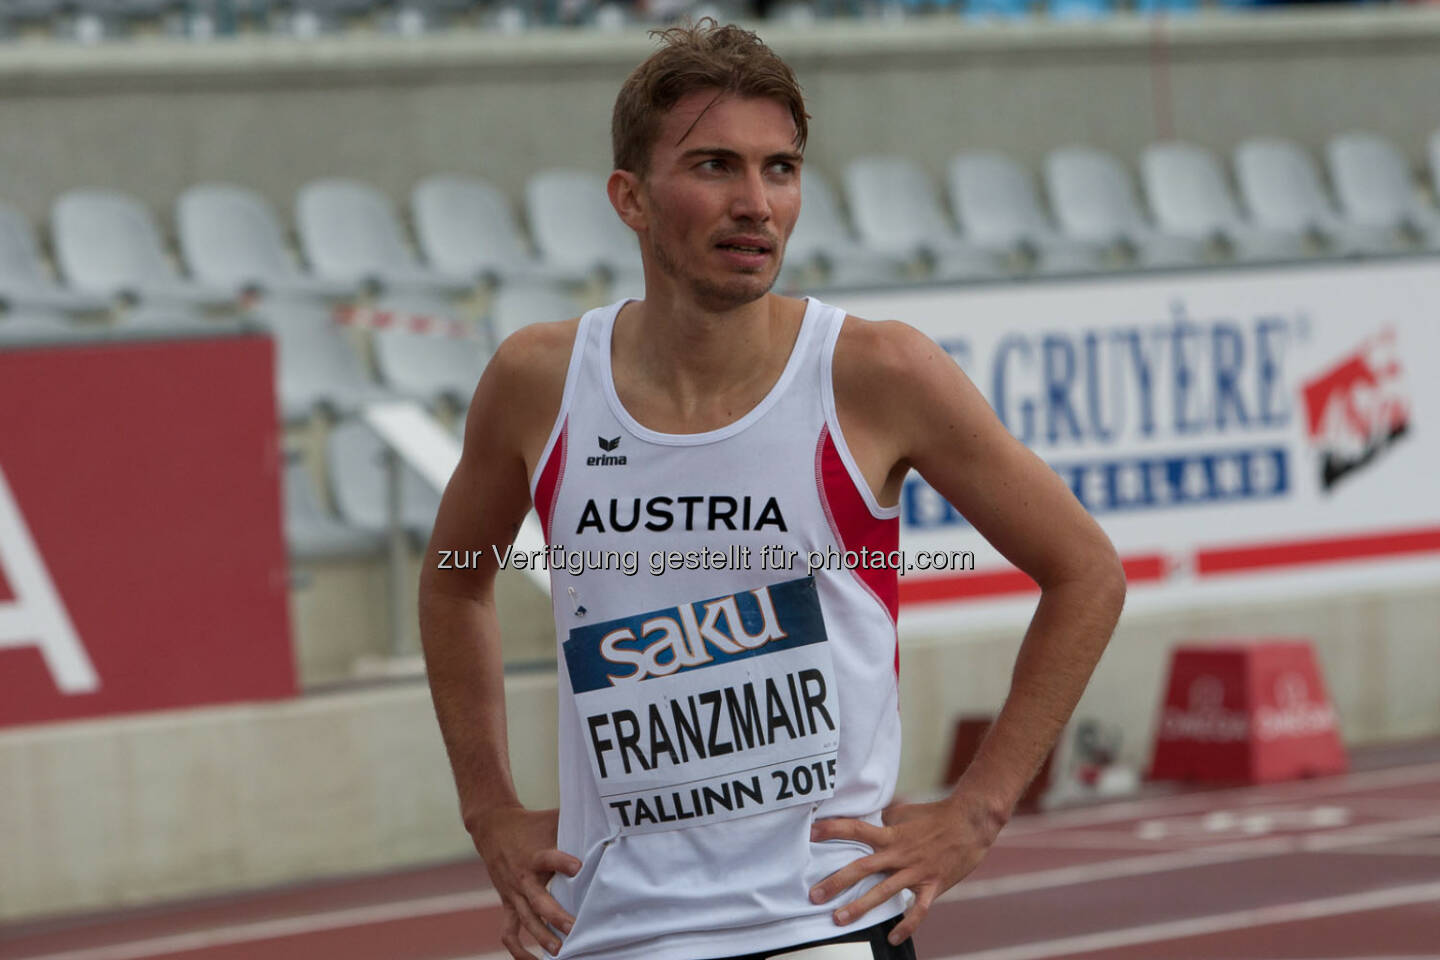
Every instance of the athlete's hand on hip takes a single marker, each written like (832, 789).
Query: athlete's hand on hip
(925, 847)
(518, 847)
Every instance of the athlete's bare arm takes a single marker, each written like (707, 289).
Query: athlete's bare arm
(509, 421)
(904, 403)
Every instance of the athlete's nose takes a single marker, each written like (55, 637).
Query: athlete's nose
(751, 201)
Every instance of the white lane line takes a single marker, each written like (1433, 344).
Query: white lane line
(1122, 867)
(1186, 802)
(1231, 852)
(281, 927)
(1215, 923)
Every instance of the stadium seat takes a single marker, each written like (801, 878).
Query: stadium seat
(576, 229)
(350, 235)
(230, 237)
(1190, 197)
(1094, 199)
(821, 236)
(310, 529)
(358, 485)
(996, 202)
(36, 325)
(1378, 192)
(428, 366)
(24, 281)
(465, 227)
(519, 305)
(1281, 187)
(108, 244)
(317, 367)
(1435, 164)
(897, 213)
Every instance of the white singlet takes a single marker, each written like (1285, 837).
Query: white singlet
(710, 713)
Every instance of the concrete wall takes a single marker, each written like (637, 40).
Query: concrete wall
(154, 117)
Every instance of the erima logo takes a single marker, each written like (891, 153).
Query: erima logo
(605, 459)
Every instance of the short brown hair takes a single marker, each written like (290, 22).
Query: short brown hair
(698, 56)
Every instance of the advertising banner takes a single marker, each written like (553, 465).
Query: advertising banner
(1257, 434)
(142, 564)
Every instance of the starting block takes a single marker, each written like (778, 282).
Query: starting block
(1254, 711)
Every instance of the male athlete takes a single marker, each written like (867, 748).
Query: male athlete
(729, 728)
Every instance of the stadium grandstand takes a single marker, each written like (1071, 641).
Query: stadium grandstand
(254, 257)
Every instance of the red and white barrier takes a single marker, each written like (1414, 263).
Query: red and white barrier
(1253, 711)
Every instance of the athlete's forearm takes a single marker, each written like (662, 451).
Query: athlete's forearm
(461, 639)
(1067, 635)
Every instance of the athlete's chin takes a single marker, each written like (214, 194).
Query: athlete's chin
(734, 291)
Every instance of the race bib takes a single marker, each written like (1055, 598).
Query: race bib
(710, 710)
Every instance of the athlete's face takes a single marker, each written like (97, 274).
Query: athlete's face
(721, 197)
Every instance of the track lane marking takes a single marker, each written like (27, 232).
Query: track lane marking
(280, 928)
(1369, 900)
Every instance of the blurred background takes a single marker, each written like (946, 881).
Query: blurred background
(254, 257)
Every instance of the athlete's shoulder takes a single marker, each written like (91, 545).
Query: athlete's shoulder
(877, 353)
(536, 353)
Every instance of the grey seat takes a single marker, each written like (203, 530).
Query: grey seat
(25, 283)
(316, 366)
(996, 201)
(36, 326)
(428, 366)
(1189, 194)
(897, 212)
(359, 486)
(350, 235)
(107, 243)
(822, 237)
(576, 229)
(1434, 151)
(1281, 186)
(518, 305)
(230, 237)
(310, 529)
(1094, 200)
(465, 227)
(1378, 192)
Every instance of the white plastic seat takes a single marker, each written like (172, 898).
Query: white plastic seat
(350, 235)
(996, 201)
(465, 227)
(1281, 186)
(821, 236)
(1190, 197)
(25, 283)
(432, 365)
(576, 229)
(1094, 201)
(316, 366)
(310, 529)
(36, 326)
(108, 244)
(897, 212)
(1434, 151)
(518, 305)
(1377, 190)
(359, 484)
(230, 237)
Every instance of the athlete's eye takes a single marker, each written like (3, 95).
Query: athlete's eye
(714, 164)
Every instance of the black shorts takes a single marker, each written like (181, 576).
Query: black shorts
(879, 947)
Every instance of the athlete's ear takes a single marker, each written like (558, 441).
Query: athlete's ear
(624, 189)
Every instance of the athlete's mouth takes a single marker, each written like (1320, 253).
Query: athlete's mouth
(746, 245)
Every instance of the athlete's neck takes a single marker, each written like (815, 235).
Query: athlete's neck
(681, 369)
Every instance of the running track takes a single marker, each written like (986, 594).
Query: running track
(1340, 867)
